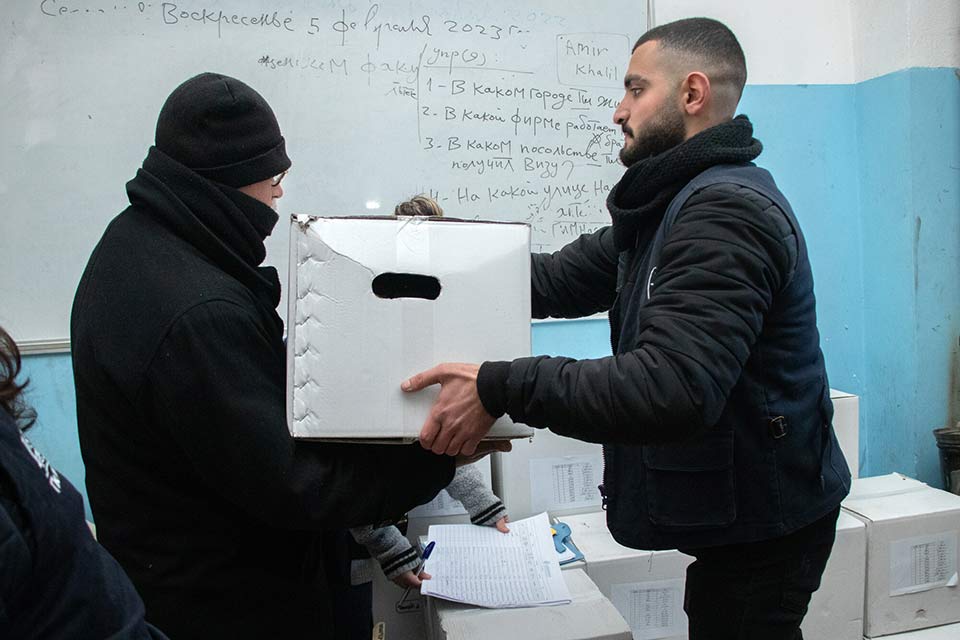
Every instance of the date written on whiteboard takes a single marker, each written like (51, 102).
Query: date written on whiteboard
(424, 24)
(345, 28)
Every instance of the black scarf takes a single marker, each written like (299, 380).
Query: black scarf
(639, 200)
(225, 225)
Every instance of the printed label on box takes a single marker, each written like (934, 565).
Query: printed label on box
(565, 483)
(442, 505)
(923, 563)
(652, 609)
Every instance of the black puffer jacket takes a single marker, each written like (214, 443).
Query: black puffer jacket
(713, 328)
(56, 582)
(196, 486)
(722, 262)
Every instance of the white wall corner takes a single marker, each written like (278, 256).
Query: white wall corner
(935, 33)
(890, 35)
(807, 42)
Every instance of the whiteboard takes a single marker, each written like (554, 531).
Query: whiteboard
(499, 109)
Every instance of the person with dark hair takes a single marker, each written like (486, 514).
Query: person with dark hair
(225, 524)
(57, 581)
(714, 409)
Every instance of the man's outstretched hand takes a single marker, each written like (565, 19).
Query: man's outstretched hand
(457, 421)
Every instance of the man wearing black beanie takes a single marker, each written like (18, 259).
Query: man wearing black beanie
(197, 488)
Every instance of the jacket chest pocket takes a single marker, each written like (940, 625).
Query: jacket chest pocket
(692, 484)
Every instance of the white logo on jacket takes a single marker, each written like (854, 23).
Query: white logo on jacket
(51, 474)
(650, 281)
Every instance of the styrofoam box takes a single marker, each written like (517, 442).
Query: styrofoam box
(836, 608)
(943, 632)
(912, 538)
(589, 617)
(846, 424)
(549, 473)
(349, 348)
(646, 587)
(409, 625)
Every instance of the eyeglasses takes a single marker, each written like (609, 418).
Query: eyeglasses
(278, 179)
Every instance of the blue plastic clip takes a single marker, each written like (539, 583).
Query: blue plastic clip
(563, 543)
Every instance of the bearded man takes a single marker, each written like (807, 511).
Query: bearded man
(714, 409)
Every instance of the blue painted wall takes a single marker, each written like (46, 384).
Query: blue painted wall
(909, 140)
(809, 135)
(872, 171)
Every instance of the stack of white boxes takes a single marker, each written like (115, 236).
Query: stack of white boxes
(646, 587)
(590, 616)
(846, 424)
(549, 473)
(560, 475)
(911, 568)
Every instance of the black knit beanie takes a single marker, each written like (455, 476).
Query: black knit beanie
(223, 130)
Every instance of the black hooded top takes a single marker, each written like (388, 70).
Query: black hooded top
(57, 582)
(196, 486)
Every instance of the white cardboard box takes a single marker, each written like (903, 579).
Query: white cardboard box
(409, 624)
(912, 567)
(589, 617)
(836, 608)
(646, 587)
(879, 486)
(375, 300)
(549, 473)
(846, 424)
(943, 632)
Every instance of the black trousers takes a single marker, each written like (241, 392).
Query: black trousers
(757, 591)
(352, 605)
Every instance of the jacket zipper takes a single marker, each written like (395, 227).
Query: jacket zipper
(628, 270)
(604, 498)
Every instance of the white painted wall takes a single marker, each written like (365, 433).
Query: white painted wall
(897, 34)
(831, 41)
(806, 42)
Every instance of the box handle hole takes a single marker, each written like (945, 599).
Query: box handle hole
(406, 285)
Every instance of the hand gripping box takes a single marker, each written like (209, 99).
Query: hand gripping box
(646, 587)
(373, 301)
(912, 568)
(836, 608)
(589, 617)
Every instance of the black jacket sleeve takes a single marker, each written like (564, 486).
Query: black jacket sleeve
(723, 261)
(227, 413)
(578, 280)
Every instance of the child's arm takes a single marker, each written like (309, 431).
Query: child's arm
(393, 551)
(480, 502)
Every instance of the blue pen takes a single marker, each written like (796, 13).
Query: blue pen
(423, 561)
